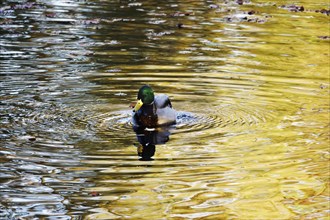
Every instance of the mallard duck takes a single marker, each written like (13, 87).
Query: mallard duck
(152, 111)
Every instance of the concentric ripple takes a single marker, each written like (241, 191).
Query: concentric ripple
(87, 122)
(111, 121)
(226, 117)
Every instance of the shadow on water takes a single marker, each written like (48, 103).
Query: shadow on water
(148, 139)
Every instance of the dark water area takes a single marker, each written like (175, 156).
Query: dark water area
(249, 81)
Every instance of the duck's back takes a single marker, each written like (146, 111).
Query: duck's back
(162, 101)
(166, 114)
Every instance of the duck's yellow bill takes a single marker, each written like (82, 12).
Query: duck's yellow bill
(138, 105)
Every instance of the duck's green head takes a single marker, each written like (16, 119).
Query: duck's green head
(145, 96)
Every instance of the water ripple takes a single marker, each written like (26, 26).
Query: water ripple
(248, 80)
(224, 117)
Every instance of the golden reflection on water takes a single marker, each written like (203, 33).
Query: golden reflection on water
(252, 139)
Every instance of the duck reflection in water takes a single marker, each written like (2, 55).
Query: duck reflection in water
(151, 117)
(148, 139)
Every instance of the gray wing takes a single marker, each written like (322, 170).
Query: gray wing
(162, 101)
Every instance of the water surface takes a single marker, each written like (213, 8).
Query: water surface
(250, 83)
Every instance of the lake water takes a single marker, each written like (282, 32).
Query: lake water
(249, 81)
